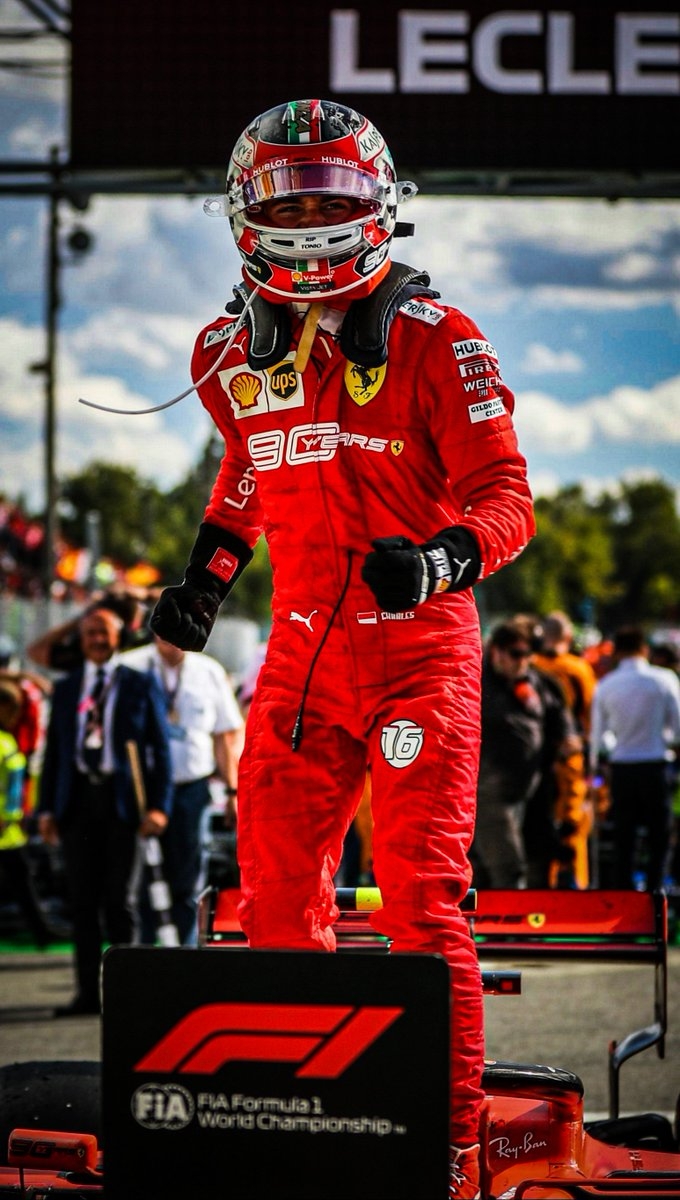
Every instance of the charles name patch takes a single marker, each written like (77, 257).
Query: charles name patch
(485, 410)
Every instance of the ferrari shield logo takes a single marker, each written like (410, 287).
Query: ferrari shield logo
(396, 447)
(536, 920)
(363, 383)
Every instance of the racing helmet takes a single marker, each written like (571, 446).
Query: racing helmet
(318, 148)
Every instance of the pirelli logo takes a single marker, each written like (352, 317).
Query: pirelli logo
(323, 1040)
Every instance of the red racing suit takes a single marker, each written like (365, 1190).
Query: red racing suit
(323, 463)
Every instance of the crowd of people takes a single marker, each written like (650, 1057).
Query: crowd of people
(104, 747)
(113, 737)
(579, 783)
(22, 545)
(117, 746)
(579, 764)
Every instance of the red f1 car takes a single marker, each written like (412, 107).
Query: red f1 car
(536, 1144)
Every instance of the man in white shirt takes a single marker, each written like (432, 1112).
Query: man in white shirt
(636, 729)
(206, 731)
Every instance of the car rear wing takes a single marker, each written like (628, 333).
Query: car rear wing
(611, 925)
(218, 925)
(616, 926)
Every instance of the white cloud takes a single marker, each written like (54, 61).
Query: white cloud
(631, 267)
(596, 299)
(22, 257)
(543, 483)
(20, 469)
(540, 359)
(145, 443)
(549, 254)
(545, 424)
(629, 415)
(20, 347)
(157, 341)
(153, 254)
(589, 227)
(32, 138)
(141, 443)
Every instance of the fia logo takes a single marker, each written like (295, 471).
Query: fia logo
(162, 1106)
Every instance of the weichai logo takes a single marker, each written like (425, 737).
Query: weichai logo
(323, 1039)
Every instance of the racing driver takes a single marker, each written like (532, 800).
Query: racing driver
(369, 435)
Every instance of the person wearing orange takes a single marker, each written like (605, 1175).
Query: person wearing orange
(573, 809)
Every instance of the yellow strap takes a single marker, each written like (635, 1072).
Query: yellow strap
(307, 336)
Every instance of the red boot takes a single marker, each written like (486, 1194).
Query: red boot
(464, 1164)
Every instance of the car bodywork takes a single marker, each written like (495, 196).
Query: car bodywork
(536, 1142)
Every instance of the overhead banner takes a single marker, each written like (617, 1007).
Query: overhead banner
(576, 86)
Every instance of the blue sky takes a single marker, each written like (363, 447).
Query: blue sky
(580, 297)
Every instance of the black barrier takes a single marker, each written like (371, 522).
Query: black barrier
(254, 1074)
(530, 85)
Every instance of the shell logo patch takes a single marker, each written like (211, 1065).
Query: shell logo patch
(363, 383)
(536, 920)
(396, 447)
(253, 393)
(245, 388)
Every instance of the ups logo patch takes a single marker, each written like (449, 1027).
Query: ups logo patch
(283, 380)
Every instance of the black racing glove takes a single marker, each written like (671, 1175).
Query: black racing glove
(185, 614)
(402, 574)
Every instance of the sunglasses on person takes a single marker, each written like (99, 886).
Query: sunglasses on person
(516, 653)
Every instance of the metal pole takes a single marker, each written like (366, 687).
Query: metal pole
(52, 310)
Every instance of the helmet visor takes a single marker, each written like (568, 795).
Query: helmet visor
(295, 178)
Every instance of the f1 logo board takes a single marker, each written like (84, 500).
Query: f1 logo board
(253, 1074)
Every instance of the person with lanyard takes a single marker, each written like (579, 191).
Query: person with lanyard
(206, 734)
(88, 799)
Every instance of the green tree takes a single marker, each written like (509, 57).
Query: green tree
(567, 564)
(125, 506)
(617, 555)
(644, 530)
(175, 535)
(175, 529)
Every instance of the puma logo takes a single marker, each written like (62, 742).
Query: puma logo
(296, 616)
